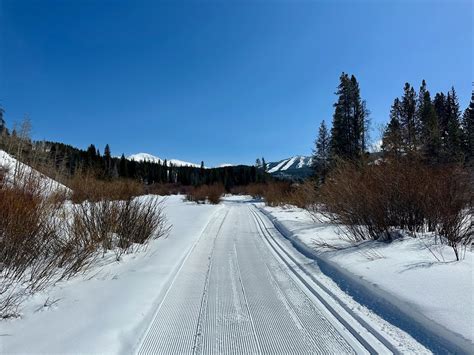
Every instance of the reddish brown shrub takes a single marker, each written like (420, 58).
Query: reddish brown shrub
(374, 201)
(203, 193)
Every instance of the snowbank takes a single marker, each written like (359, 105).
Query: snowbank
(106, 310)
(430, 299)
(11, 164)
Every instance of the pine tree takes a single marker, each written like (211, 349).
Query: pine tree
(123, 171)
(264, 165)
(2, 121)
(453, 144)
(321, 153)
(108, 161)
(468, 130)
(258, 163)
(429, 128)
(348, 132)
(392, 141)
(408, 118)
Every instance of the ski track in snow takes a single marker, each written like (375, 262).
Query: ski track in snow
(277, 167)
(236, 293)
(289, 164)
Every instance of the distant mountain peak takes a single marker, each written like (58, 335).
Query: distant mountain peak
(154, 159)
(298, 166)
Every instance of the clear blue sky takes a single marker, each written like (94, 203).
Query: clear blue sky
(219, 81)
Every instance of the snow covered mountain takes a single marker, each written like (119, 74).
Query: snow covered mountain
(155, 159)
(295, 167)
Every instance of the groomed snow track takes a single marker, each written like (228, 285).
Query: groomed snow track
(239, 292)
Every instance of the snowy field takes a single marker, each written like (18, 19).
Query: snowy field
(411, 281)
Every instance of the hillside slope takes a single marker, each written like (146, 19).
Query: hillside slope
(296, 167)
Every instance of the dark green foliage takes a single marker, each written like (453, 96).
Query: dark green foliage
(392, 142)
(2, 121)
(428, 129)
(430, 137)
(453, 137)
(468, 131)
(348, 133)
(408, 118)
(322, 153)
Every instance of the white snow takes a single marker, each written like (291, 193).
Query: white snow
(289, 163)
(154, 159)
(278, 167)
(296, 162)
(438, 294)
(301, 163)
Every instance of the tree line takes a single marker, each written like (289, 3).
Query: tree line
(63, 160)
(431, 129)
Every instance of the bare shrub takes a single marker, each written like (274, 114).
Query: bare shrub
(278, 193)
(450, 209)
(303, 195)
(209, 193)
(167, 189)
(87, 187)
(28, 242)
(43, 239)
(139, 221)
(374, 201)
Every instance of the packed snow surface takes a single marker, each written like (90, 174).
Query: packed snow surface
(223, 281)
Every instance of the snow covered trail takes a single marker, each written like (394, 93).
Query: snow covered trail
(237, 293)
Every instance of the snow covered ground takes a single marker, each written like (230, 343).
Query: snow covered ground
(104, 310)
(403, 281)
(226, 280)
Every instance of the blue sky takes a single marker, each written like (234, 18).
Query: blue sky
(219, 81)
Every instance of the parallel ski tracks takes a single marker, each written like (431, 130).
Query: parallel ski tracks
(237, 291)
(368, 337)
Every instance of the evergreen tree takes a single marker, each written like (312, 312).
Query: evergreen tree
(468, 130)
(408, 118)
(321, 153)
(122, 170)
(429, 128)
(3, 126)
(348, 132)
(264, 165)
(453, 143)
(258, 163)
(392, 141)
(108, 161)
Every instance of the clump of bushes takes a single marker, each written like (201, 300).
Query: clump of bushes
(209, 193)
(87, 187)
(279, 193)
(43, 239)
(375, 201)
